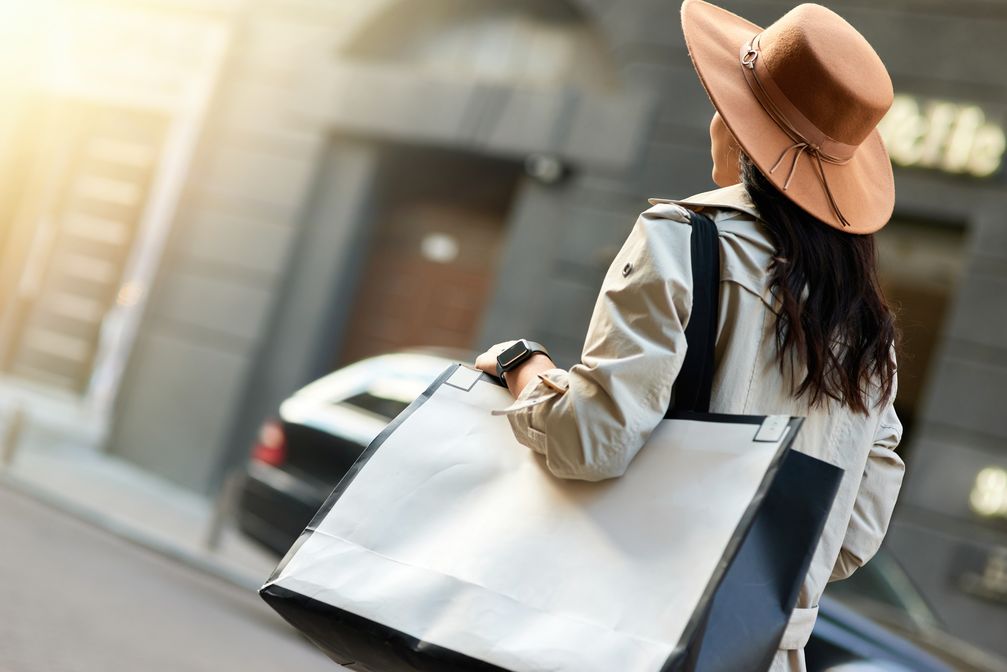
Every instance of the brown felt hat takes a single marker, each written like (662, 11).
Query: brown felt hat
(803, 98)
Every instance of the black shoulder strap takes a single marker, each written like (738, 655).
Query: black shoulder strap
(695, 381)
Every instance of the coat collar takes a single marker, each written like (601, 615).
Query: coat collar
(734, 197)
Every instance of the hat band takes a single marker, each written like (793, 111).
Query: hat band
(806, 136)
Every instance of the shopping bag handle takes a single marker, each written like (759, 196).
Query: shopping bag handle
(694, 384)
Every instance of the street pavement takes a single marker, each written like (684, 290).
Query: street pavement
(76, 599)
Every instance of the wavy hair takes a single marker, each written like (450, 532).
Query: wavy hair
(833, 317)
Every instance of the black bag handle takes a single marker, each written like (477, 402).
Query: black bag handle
(695, 381)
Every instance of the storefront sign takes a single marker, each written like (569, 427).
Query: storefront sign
(946, 136)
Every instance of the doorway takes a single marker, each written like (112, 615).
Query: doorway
(435, 232)
(920, 264)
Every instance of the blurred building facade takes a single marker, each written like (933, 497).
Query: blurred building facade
(208, 204)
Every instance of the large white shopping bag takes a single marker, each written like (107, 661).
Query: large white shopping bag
(451, 547)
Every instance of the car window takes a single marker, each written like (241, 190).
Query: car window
(388, 396)
(381, 405)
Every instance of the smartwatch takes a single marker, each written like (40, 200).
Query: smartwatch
(517, 354)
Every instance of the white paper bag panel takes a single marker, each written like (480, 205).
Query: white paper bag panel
(488, 554)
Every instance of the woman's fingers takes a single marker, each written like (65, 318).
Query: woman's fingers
(488, 360)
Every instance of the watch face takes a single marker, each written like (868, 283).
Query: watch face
(512, 355)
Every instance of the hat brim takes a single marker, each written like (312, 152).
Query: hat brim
(863, 188)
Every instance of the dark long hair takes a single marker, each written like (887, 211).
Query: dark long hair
(833, 317)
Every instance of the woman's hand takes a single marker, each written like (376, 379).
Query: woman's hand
(488, 360)
(518, 378)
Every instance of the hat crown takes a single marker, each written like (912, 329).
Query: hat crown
(828, 71)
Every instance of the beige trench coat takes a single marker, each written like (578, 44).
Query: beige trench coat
(590, 421)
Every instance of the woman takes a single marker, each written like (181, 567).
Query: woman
(803, 328)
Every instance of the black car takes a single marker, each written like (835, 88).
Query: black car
(325, 426)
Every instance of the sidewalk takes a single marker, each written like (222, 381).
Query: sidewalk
(122, 498)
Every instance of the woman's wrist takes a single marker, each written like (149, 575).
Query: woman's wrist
(520, 377)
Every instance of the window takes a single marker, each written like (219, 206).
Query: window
(379, 405)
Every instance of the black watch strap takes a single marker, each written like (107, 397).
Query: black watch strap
(517, 354)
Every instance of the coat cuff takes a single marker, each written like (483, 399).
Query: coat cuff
(550, 385)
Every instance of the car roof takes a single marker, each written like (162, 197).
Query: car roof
(402, 376)
(416, 367)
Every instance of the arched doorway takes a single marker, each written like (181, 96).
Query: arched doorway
(423, 176)
(438, 213)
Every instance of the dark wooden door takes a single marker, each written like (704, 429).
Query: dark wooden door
(428, 277)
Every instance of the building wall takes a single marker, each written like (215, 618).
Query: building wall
(233, 247)
(290, 129)
(103, 105)
(230, 248)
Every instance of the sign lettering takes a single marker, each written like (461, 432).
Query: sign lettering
(952, 137)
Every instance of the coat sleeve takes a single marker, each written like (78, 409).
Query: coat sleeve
(879, 489)
(589, 422)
